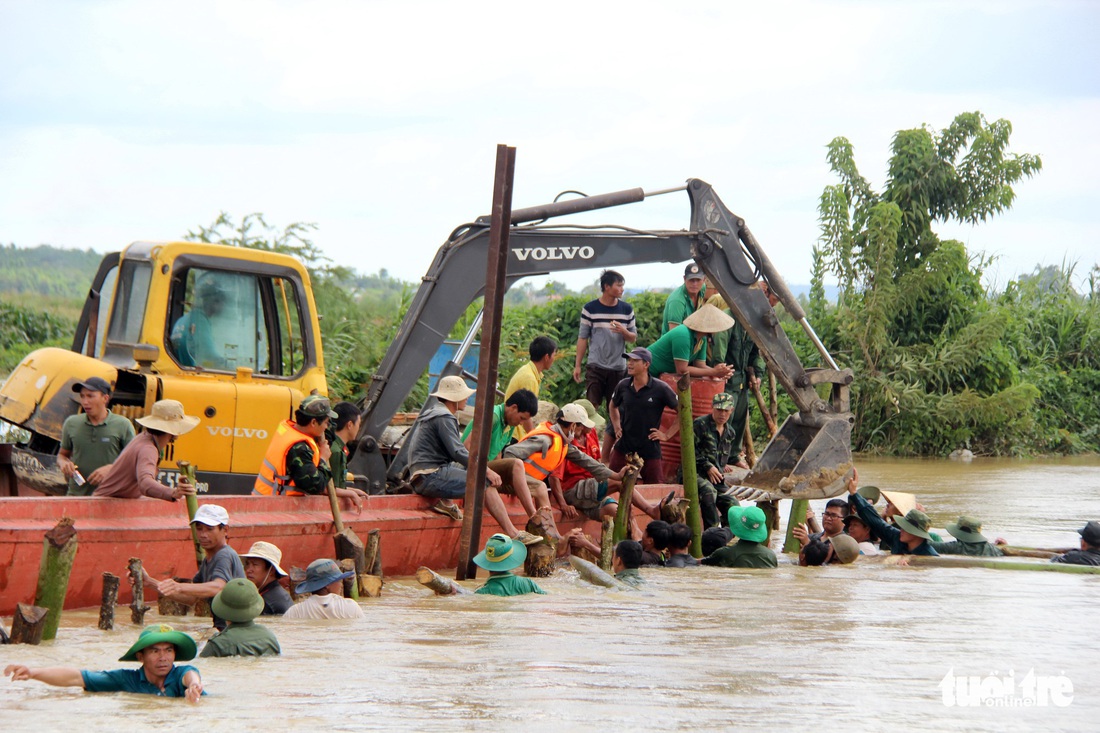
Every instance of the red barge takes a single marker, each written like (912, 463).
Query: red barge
(111, 531)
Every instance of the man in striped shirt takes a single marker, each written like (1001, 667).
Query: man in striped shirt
(607, 325)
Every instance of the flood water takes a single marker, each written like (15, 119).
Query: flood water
(859, 647)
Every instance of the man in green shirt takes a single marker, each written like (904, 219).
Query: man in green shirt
(627, 560)
(716, 448)
(345, 428)
(92, 440)
(749, 525)
(240, 603)
(681, 351)
(684, 300)
(518, 408)
(500, 557)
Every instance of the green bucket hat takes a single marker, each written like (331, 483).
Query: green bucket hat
(870, 493)
(723, 401)
(501, 553)
(915, 522)
(238, 601)
(155, 634)
(748, 523)
(967, 529)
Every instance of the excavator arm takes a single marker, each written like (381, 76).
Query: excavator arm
(456, 278)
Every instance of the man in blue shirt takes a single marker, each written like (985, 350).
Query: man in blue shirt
(158, 648)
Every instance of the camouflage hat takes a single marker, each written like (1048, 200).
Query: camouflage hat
(317, 406)
(915, 522)
(722, 401)
(967, 529)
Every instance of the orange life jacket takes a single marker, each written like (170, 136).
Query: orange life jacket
(273, 478)
(540, 465)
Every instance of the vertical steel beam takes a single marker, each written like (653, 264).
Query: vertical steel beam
(495, 286)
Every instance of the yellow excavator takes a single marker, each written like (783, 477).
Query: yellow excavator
(231, 333)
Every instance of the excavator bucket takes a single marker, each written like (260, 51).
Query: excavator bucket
(801, 462)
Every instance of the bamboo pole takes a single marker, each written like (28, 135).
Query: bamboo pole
(370, 580)
(138, 609)
(796, 517)
(188, 472)
(626, 498)
(107, 604)
(607, 543)
(1046, 552)
(58, 551)
(994, 563)
(687, 462)
(28, 623)
(438, 584)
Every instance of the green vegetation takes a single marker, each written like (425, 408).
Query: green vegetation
(940, 363)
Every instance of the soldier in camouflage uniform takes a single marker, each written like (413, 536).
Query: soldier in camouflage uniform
(736, 348)
(715, 445)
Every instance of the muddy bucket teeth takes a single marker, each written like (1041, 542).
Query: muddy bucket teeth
(802, 462)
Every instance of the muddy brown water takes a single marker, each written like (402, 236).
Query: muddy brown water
(861, 647)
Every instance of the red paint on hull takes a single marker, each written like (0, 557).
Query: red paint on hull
(111, 531)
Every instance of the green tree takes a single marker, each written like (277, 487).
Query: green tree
(912, 317)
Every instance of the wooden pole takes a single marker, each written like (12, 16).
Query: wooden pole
(607, 542)
(440, 586)
(768, 419)
(370, 580)
(347, 543)
(107, 604)
(687, 462)
(351, 585)
(138, 608)
(188, 472)
(797, 517)
(58, 551)
(773, 397)
(746, 441)
(170, 607)
(626, 498)
(28, 623)
(541, 556)
(495, 285)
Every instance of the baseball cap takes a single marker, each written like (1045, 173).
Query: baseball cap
(692, 272)
(640, 352)
(723, 401)
(96, 384)
(211, 515)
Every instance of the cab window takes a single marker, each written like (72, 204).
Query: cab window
(224, 320)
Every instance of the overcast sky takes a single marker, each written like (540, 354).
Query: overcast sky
(378, 121)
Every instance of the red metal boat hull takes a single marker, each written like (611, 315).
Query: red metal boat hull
(111, 531)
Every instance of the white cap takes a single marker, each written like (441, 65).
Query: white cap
(211, 515)
(575, 413)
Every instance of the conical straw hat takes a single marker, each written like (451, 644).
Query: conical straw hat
(708, 319)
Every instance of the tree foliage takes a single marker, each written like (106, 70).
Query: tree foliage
(940, 363)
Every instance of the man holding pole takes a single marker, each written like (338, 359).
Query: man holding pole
(134, 472)
(222, 564)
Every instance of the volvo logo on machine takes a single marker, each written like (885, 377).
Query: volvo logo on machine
(227, 432)
(539, 254)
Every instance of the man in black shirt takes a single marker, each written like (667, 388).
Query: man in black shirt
(636, 408)
(1089, 554)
